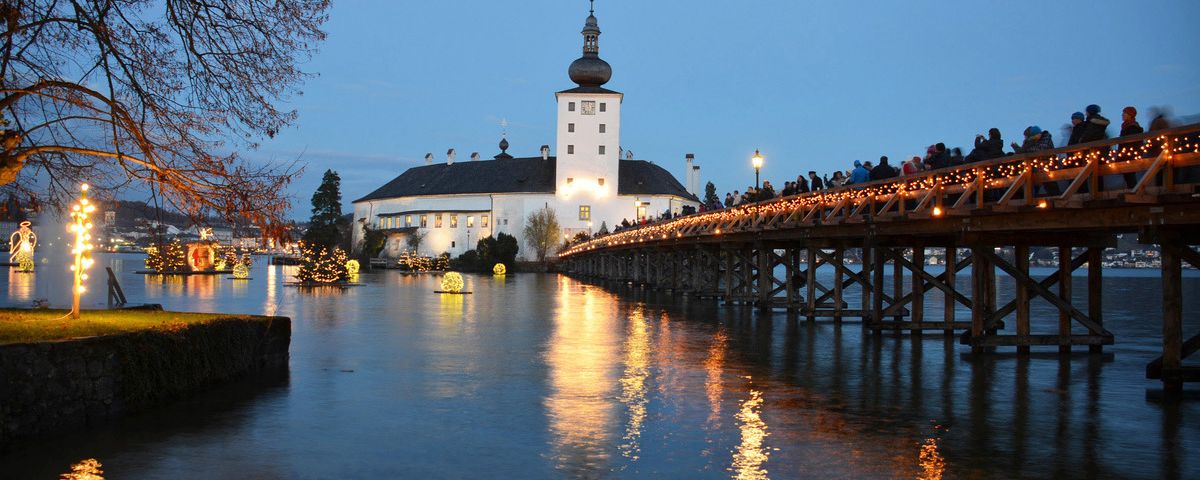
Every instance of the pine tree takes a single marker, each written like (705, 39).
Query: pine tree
(326, 213)
(710, 194)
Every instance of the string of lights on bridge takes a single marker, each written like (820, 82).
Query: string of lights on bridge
(994, 175)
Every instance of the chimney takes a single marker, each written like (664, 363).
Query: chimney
(474, 156)
(429, 159)
(450, 157)
(545, 152)
(690, 174)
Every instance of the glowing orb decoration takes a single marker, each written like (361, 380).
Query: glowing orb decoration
(452, 282)
(499, 269)
(220, 265)
(352, 267)
(241, 271)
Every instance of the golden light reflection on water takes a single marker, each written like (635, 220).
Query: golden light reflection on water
(451, 305)
(271, 304)
(751, 455)
(633, 381)
(21, 286)
(581, 355)
(931, 462)
(88, 469)
(714, 381)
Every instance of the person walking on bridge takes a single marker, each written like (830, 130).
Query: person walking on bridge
(883, 171)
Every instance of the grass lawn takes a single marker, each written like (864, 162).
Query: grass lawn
(24, 326)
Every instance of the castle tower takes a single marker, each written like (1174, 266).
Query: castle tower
(589, 129)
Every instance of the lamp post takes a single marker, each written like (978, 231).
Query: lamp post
(757, 162)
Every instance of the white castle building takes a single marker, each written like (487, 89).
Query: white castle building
(587, 184)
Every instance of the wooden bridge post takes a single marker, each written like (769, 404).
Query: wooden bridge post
(1022, 297)
(897, 283)
(839, 256)
(918, 287)
(982, 303)
(1172, 301)
(1064, 291)
(764, 276)
(729, 254)
(948, 312)
(875, 308)
(811, 282)
(866, 283)
(1095, 291)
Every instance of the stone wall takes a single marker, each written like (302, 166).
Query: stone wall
(56, 386)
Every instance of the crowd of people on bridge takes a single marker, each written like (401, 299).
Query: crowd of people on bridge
(1086, 126)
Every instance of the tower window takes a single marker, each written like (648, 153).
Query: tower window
(603, 107)
(600, 181)
(589, 107)
(603, 128)
(483, 221)
(570, 180)
(602, 149)
(570, 128)
(408, 220)
(470, 221)
(570, 106)
(570, 149)
(437, 220)
(585, 212)
(453, 221)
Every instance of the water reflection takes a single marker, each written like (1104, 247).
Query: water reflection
(931, 462)
(714, 378)
(633, 381)
(581, 357)
(21, 286)
(85, 470)
(750, 457)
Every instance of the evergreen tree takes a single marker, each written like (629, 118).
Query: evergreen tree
(710, 194)
(326, 213)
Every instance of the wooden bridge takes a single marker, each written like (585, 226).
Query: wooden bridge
(985, 216)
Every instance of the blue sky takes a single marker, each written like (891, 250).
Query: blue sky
(814, 85)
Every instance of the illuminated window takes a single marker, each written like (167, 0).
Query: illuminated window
(588, 107)
(570, 180)
(600, 181)
(602, 128)
(571, 106)
(391, 222)
(453, 220)
(408, 220)
(571, 127)
(424, 221)
(483, 221)
(470, 221)
(585, 212)
(603, 107)
(437, 220)
(381, 222)
(602, 149)
(570, 149)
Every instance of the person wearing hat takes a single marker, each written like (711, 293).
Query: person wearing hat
(1035, 140)
(1096, 126)
(1077, 128)
(859, 175)
(1130, 126)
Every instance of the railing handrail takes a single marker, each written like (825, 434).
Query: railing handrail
(928, 179)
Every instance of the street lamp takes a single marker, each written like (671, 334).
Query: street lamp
(757, 162)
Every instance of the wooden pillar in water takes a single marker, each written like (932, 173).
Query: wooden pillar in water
(1172, 301)
(729, 254)
(918, 288)
(1064, 291)
(764, 277)
(1095, 291)
(897, 282)
(876, 308)
(839, 257)
(980, 269)
(790, 264)
(865, 280)
(1022, 258)
(810, 299)
(951, 280)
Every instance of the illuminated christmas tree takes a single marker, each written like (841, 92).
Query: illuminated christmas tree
(320, 266)
(171, 258)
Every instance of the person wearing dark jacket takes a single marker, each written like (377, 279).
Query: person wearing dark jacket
(1077, 128)
(814, 181)
(1130, 126)
(987, 148)
(1096, 126)
(883, 170)
(940, 158)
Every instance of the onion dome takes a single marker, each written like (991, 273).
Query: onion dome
(590, 70)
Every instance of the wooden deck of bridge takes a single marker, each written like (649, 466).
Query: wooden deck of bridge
(1074, 200)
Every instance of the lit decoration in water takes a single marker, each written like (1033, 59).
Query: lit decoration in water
(452, 282)
(1059, 165)
(84, 470)
(751, 454)
(21, 245)
(416, 263)
(169, 259)
(241, 271)
(220, 265)
(352, 267)
(499, 269)
(633, 382)
(81, 226)
(319, 266)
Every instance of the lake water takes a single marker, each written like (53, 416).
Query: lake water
(543, 376)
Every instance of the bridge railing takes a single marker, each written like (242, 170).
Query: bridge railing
(1139, 169)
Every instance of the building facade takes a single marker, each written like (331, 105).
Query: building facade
(587, 183)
